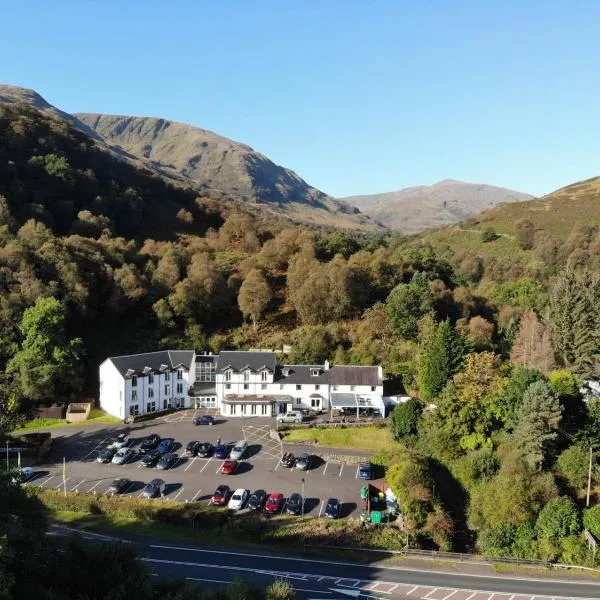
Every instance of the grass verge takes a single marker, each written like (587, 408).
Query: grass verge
(96, 416)
(375, 439)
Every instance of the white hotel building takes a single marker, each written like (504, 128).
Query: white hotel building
(237, 384)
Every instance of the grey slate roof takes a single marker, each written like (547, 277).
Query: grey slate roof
(300, 374)
(239, 361)
(136, 363)
(354, 375)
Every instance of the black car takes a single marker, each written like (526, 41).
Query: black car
(118, 486)
(106, 455)
(150, 443)
(191, 448)
(150, 459)
(257, 500)
(166, 461)
(294, 504)
(365, 471)
(205, 449)
(288, 460)
(154, 489)
(166, 445)
(333, 508)
(303, 462)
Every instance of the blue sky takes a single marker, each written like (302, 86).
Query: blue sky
(356, 96)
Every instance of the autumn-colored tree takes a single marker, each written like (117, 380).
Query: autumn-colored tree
(480, 331)
(525, 232)
(532, 346)
(254, 295)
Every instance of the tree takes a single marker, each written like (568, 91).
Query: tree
(573, 463)
(406, 304)
(480, 331)
(440, 356)
(47, 365)
(312, 345)
(254, 295)
(558, 518)
(537, 421)
(524, 232)
(589, 434)
(591, 520)
(532, 347)
(405, 419)
(512, 397)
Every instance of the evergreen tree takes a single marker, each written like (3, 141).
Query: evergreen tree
(537, 420)
(441, 355)
(407, 303)
(405, 418)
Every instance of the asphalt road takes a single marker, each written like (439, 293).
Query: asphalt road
(320, 578)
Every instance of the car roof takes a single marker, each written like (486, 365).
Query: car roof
(275, 495)
(222, 487)
(240, 490)
(156, 482)
(365, 464)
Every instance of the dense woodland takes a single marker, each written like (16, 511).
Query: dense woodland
(98, 258)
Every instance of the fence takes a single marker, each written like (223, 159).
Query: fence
(332, 424)
(51, 412)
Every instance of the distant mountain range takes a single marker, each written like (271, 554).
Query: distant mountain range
(415, 209)
(206, 161)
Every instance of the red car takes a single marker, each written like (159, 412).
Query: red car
(274, 503)
(221, 496)
(229, 467)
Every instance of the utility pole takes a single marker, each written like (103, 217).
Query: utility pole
(65, 476)
(587, 502)
(303, 499)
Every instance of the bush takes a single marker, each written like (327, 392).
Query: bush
(489, 235)
(559, 518)
(405, 419)
(573, 463)
(591, 520)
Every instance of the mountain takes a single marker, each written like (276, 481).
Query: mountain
(417, 208)
(205, 161)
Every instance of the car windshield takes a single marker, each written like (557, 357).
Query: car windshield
(237, 497)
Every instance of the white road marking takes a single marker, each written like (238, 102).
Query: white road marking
(433, 591)
(357, 470)
(277, 465)
(209, 580)
(205, 465)
(473, 594)
(219, 469)
(340, 473)
(43, 483)
(322, 505)
(76, 486)
(450, 594)
(176, 462)
(96, 484)
(191, 463)
(61, 484)
(93, 450)
(196, 495)
(177, 494)
(325, 469)
(128, 487)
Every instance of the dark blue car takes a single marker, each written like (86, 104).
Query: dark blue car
(365, 471)
(221, 451)
(166, 445)
(204, 420)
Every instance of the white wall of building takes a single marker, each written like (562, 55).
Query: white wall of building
(112, 388)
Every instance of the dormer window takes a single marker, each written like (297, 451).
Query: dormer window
(285, 372)
(179, 373)
(315, 372)
(228, 375)
(246, 375)
(134, 381)
(264, 375)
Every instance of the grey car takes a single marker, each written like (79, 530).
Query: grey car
(154, 489)
(122, 456)
(303, 462)
(238, 451)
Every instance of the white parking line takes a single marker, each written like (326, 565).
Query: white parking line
(128, 488)
(277, 465)
(76, 486)
(357, 470)
(176, 495)
(191, 463)
(43, 483)
(219, 469)
(180, 459)
(448, 596)
(340, 473)
(433, 592)
(325, 469)
(93, 449)
(417, 587)
(62, 483)
(96, 484)
(205, 465)
(322, 505)
(195, 495)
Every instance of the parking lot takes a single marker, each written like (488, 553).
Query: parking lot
(195, 479)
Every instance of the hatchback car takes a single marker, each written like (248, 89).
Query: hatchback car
(229, 467)
(221, 496)
(106, 455)
(333, 508)
(205, 449)
(365, 470)
(191, 448)
(221, 451)
(22, 474)
(166, 445)
(294, 504)
(257, 500)
(122, 456)
(288, 460)
(120, 441)
(238, 450)
(273, 503)
(150, 459)
(118, 486)
(166, 461)
(150, 443)
(204, 420)
(238, 499)
(154, 489)
(303, 462)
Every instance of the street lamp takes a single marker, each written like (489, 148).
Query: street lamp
(303, 498)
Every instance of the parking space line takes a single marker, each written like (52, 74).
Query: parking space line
(191, 463)
(417, 587)
(325, 469)
(63, 482)
(450, 594)
(205, 465)
(277, 465)
(357, 471)
(43, 483)
(76, 486)
(340, 473)
(196, 495)
(322, 505)
(96, 484)
(219, 469)
(177, 494)
(93, 449)
(433, 592)
(177, 461)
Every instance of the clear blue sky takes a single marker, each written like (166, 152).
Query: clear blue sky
(356, 96)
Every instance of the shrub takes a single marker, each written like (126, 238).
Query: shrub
(573, 463)
(559, 518)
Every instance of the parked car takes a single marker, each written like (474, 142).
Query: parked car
(365, 470)
(122, 456)
(150, 443)
(191, 448)
(274, 503)
(118, 486)
(333, 508)
(22, 474)
(257, 500)
(292, 416)
(106, 455)
(204, 420)
(221, 496)
(150, 459)
(221, 451)
(154, 489)
(238, 499)
(238, 450)
(205, 449)
(294, 505)
(303, 462)
(288, 460)
(120, 441)
(166, 461)
(229, 467)
(166, 445)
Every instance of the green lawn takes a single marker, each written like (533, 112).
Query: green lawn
(96, 416)
(376, 439)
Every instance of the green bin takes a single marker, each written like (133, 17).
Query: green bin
(376, 516)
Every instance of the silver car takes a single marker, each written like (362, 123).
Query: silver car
(122, 456)
(238, 451)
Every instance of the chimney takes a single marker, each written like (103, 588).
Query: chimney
(326, 365)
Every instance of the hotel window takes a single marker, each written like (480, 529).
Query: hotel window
(253, 409)
(352, 388)
(227, 386)
(167, 375)
(264, 409)
(179, 373)
(298, 401)
(298, 386)
(150, 378)
(133, 395)
(315, 403)
(134, 381)
(228, 375)
(317, 387)
(205, 371)
(134, 409)
(264, 375)
(263, 386)
(180, 388)
(167, 390)
(246, 375)
(151, 407)
(166, 404)
(150, 393)
(372, 388)
(246, 386)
